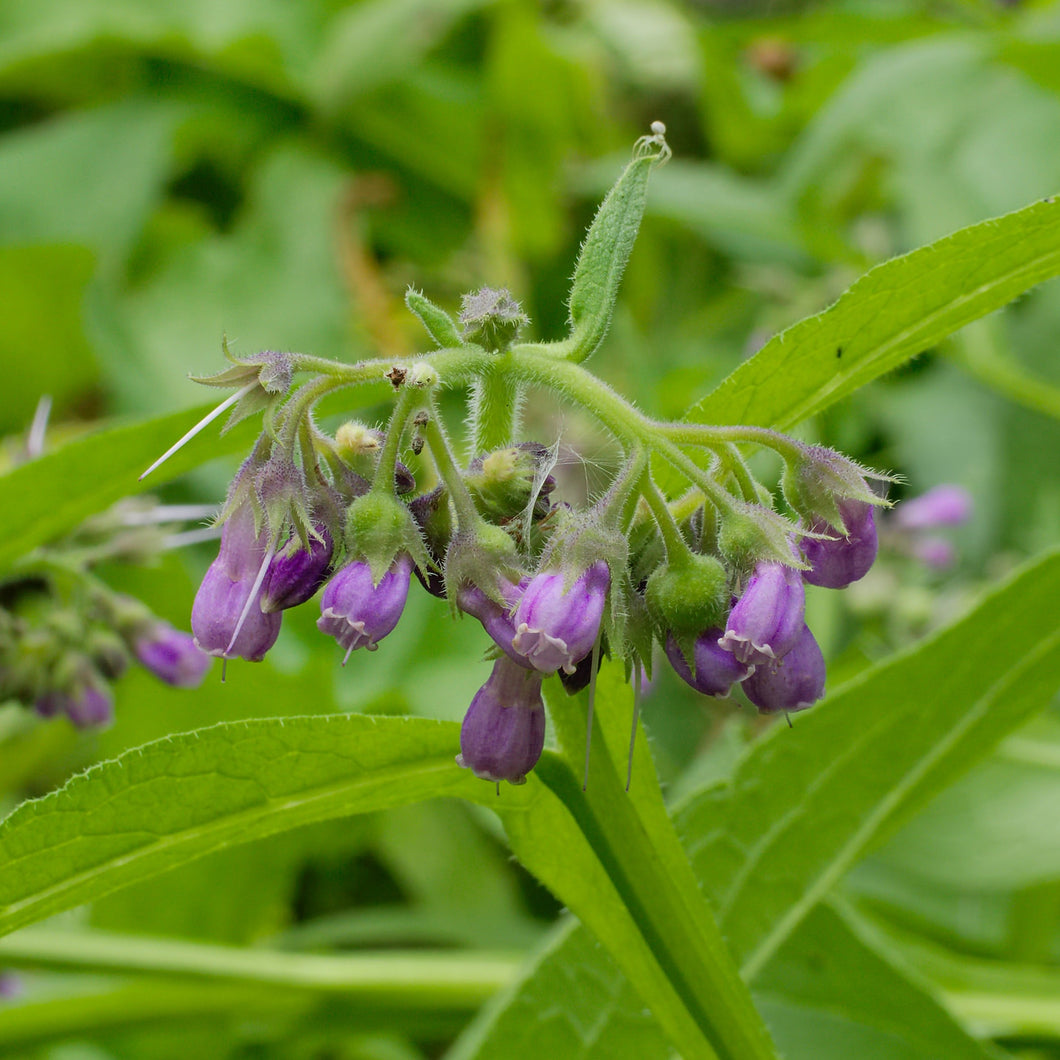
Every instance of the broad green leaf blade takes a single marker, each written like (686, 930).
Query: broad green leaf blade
(894, 312)
(572, 1001)
(50, 496)
(805, 803)
(831, 993)
(172, 801)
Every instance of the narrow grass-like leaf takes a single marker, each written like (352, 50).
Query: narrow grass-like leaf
(50, 496)
(805, 803)
(895, 311)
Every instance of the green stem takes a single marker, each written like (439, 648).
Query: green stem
(467, 515)
(386, 466)
(677, 549)
(494, 404)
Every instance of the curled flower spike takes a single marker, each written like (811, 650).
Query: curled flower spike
(792, 683)
(556, 628)
(503, 732)
(841, 558)
(715, 669)
(767, 620)
(358, 613)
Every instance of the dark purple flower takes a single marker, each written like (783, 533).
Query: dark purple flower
(496, 618)
(219, 605)
(841, 558)
(50, 704)
(504, 728)
(556, 626)
(945, 505)
(767, 619)
(358, 613)
(171, 655)
(293, 579)
(792, 683)
(716, 670)
(89, 706)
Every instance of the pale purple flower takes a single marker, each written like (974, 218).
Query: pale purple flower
(768, 618)
(714, 670)
(171, 655)
(496, 618)
(504, 729)
(842, 557)
(945, 505)
(219, 606)
(89, 707)
(792, 683)
(556, 626)
(357, 612)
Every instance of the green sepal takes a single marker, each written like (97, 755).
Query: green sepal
(814, 484)
(378, 528)
(482, 557)
(436, 321)
(688, 596)
(751, 532)
(606, 250)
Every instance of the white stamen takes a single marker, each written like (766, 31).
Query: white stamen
(204, 422)
(252, 598)
(37, 429)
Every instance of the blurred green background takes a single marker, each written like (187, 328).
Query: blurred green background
(279, 172)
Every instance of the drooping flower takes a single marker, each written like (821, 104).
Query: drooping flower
(359, 613)
(843, 556)
(293, 578)
(556, 626)
(219, 606)
(171, 655)
(89, 706)
(767, 619)
(792, 683)
(714, 670)
(504, 729)
(496, 618)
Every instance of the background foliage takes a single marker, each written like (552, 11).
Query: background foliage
(888, 871)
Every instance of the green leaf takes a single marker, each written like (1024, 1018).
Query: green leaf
(805, 803)
(831, 993)
(50, 496)
(895, 311)
(175, 800)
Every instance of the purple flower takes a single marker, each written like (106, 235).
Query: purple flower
(89, 706)
(219, 605)
(504, 728)
(358, 613)
(242, 547)
(945, 505)
(842, 558)
(934, 552)
(293, 579)
(792, 683)
(768, 618)
(716, 670)
(556, 628)
(496, 618)
(171, 655)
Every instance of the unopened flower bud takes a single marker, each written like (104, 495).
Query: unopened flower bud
(688, 597)
(844, 556)
(89, 706)
(768, 618)
(359, 612)
(504, 729)
(792, 683)
(491, 317)
(714, 670)
(293, 577)
(556, 626)
(171, 655)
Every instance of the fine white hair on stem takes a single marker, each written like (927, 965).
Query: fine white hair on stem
(204, 422)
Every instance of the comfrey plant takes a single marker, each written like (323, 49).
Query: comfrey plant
(685, 549)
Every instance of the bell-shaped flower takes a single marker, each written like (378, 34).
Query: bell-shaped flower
(220, 605)
(714, 670)
(89, 706)
(504, 728)
(496, 618)
(171, 655)
(556, 626)
(768, 618)
(791, 683)
(843, 556)
(292, 578)
(359, 613)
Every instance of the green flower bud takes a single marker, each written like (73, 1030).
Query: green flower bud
(688, 597)
(491, 317)
(378, 527)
